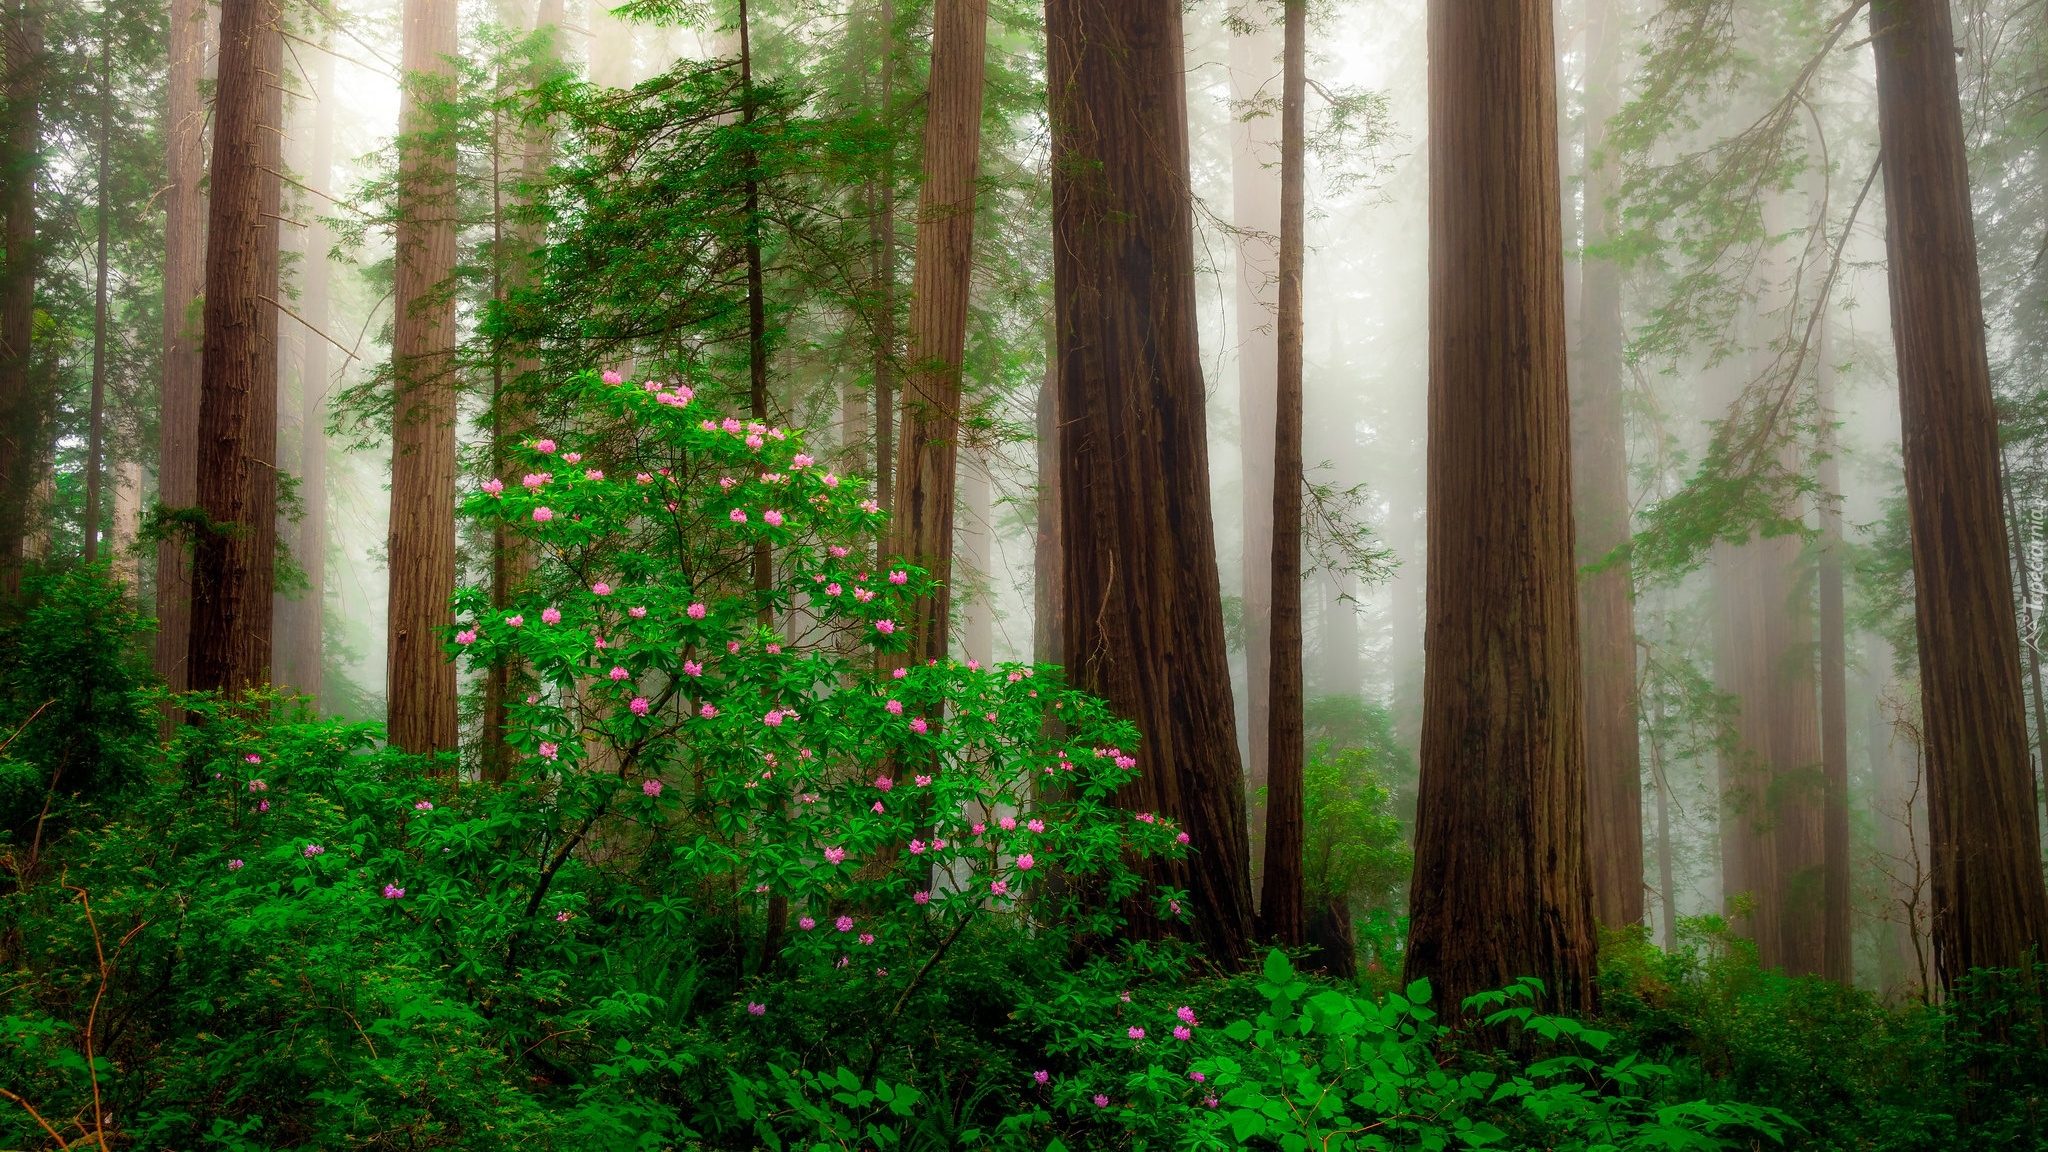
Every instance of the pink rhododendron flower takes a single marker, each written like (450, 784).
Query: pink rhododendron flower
(572, 457)
(773, 719)
(263, 806)
(917, 847)
(543, 515)
(775, 649)
(806, 923)
(423, 806)
(834, 855)
(692, 668)
(1007, 823)
(1042, 1076)
(494, 486)
(979, 828)
(600, 589)
(562, 917)
(844, 924)
(393, 892)
(1035, 826)
(611, 377)
(885, 627)
(894, 707)
(515, 621)
(1180, 1032)
(593, 474)
(871, 507)
(234, 865)
(1135, 1032)
(1198, 1078)
(639, 705)
(695, 611)
(637, 611)
(466, 637)
(549, 750)
(1025, 863)
(1101, 1101)
(867, 938)
(729, 424)
(884, 783)
(258, 786)
(831, 481)
(618, 673)
(833, 589)
(1182, 838)
(1186, 1014)
(312, 850)
(753, 442)
(838, 551)
(924, 781)
(899, 577)
(802, 461)
(757, 1009)
(772, 518)
(919, 726)
(899, 674)
(732, 646)
(544, 446)
(550, 616)
(938, 845)
(999, 888)
(651, 786)
(876, 807)
(737, 516)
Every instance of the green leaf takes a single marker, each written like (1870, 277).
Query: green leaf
(1418, 991)
(1278, 970)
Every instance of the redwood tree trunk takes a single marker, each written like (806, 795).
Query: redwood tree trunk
(882, 252)
(305, 618)
(1600, 509)
(1837, 944)
(1500, 888)
(235, 555)
(927, 442)
(420, 678)
(1144, 626)
(22, 408)
(1282, 917)
(95, 436)
(1989, 905)
(177, 467)
(1255, 211)
(1047, 577)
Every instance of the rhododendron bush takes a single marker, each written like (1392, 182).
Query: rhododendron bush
(707, 655)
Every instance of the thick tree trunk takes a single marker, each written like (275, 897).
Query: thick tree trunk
(1255, 213)
(927, 445)
(177, 468)
(22, 406)
(1282, 916)
(1144, 629)
(237, 476)
(1600, 509)
(1046, 574)
(1500, 888)
(420, 678)
(1990, 909)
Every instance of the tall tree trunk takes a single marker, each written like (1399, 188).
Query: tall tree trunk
(927, 443)
(1743, 657)
(1281, 911)
(177, 468)
(1144, 629)
(511, 556)
(1047, 574)
(420, 678)
(1500, 888)
(2030, 642)
(974, 534)
(1600, 509)
(305, 618)
(882, 251)
(757, 306)
(1990, 908)
(1255, 213)
(1838, 946)
(235, 554)
(22, 405)
(95, 436)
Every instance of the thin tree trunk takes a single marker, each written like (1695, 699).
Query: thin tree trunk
(95, 436)
(1667, 889)
(977, 621)
(1990, 908)
(420, 678)
(307, 619)
(1144, 629)
(882, 248)
(1046, 565)
(1255, 213)
(22, 407)
(1838, 946)
(177, 468)
(1282, 914)
(235, 554)
(757, 305)
(2030, 643)
(1600, 509)
(1500, 888)
(927, 447)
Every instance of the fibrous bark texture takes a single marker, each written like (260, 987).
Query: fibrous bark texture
(1500, 887)
(235, 554)
(177, 475)
(1281, 913)
(1047, 575)
(927, 441)
(299, 623)
(420, 679)
(1144, 618)
(1600, 510)
(22, 404)
(1989, 904)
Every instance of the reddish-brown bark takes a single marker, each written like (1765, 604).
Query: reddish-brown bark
(1500, 885)
(23, 406)
(177, 476)
(1144, 619)
(1990, 909)
(235, 554)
